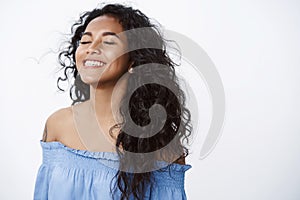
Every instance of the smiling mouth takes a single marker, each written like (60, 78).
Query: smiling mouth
(93, 63)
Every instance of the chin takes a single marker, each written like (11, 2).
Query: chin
(90, 80)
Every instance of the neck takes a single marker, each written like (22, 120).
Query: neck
(105, 100)
(100, 101)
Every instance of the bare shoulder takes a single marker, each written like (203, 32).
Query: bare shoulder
(55, 124)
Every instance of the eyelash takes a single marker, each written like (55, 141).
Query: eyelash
(110, 43)
(105, 42)
(84, 42)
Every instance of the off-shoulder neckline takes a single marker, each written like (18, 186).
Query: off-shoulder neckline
(85, 153)
(113, 156)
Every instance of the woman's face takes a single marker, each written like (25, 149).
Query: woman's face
(100, 57)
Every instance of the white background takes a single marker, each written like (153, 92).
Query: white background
(255, 46)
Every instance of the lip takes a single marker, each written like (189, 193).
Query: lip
(92, 67)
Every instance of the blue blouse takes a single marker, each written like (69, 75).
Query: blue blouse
(72, 174)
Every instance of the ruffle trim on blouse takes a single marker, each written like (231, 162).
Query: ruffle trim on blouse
(110, 156)
(113, 156)
(173, 166)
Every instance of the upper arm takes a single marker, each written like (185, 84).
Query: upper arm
(53, 125)
(45, 135)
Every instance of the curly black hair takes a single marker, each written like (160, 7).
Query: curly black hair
(177, 126)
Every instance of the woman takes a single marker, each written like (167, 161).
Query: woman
(113, 143)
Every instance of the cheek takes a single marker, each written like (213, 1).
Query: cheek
(78, 57)
(77, 54)
(119, 57)
(123, 63)
(114, 54)
(111, 56)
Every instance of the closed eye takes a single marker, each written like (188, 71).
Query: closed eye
(84, 42)
(110, 43)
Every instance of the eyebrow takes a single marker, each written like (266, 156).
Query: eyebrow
(103, 34)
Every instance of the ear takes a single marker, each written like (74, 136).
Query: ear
(130, 65)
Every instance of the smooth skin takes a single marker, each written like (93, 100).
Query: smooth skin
(103, 42)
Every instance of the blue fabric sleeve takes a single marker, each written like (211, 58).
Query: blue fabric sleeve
(42, 183)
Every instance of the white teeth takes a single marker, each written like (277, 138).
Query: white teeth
(93, 63)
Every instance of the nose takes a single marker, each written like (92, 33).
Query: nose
(93, 49)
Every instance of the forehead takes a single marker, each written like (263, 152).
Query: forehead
(104, 23)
